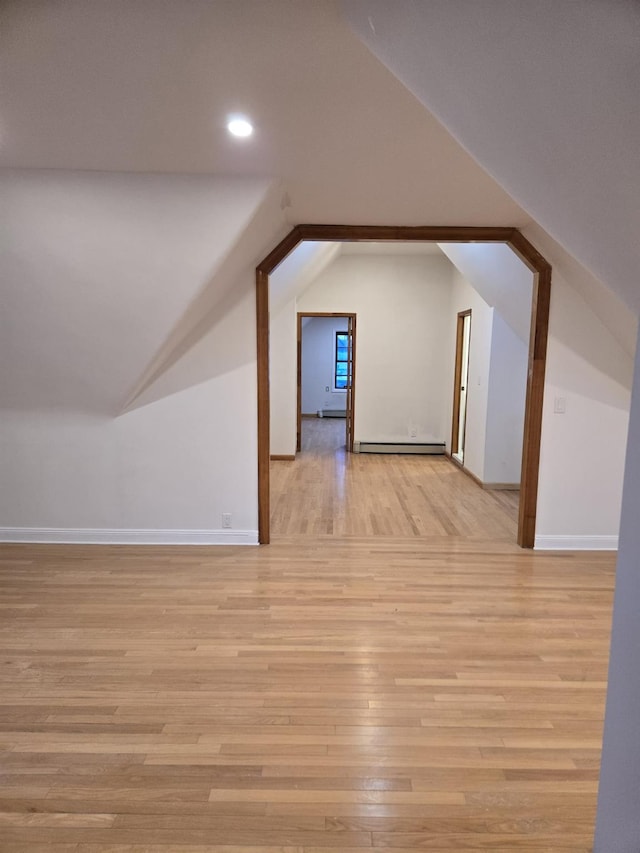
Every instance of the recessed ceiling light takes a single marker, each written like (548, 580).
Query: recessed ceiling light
(239, 126)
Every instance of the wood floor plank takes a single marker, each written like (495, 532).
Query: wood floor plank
(380, 495)
(438, 692)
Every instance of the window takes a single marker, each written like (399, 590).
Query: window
(341, 377)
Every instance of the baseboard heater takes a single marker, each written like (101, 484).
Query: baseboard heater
(332, 413)
(429, 448)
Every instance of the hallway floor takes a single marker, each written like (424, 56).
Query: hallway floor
(327, 491)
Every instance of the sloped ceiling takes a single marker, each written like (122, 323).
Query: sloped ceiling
(298, 270)
(305, 263)
(501, 279)
(129, 216)
(147, 86)
(114, 267)
(544, 95)
(96, 269)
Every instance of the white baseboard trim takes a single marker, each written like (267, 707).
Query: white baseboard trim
(103, 536)
(576, 543)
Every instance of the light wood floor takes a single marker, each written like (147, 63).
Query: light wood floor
(330, 492)
(311, 696)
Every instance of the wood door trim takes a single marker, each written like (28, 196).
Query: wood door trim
(457, 376)
(352, 387)
(540, 302)
(541, 269)
(298, 383)
(262, 353)
(299, 415)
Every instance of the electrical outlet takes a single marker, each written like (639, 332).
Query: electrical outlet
(559, 405)
(413, 432)
(226, 520)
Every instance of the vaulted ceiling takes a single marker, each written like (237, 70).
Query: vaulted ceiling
(146, 86)
(545, 97)
(129, 247)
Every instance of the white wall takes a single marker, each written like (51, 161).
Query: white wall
(500, 278)
(318, 354)
(94, 287)
(464, 297)
(618, 817)
(500, 346)
(162, 473)
(283, 379)
(298, 269)
(588, 365)
(496, 388)
(401, 343)
(582, 451)
(505, 404)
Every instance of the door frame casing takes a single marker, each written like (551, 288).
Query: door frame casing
(457, 378)
(541, 294)
(349, 397)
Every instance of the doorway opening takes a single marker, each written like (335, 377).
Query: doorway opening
(337, 339)
(461, 385)
(511, 237)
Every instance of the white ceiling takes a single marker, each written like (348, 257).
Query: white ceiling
(95, 271)
(296, 272)
(545, 96)
(310, 257)
(147, 85)
(111, 278)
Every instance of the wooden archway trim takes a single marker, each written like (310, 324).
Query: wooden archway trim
(425, 233)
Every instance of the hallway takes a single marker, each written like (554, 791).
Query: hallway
(329, 492)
